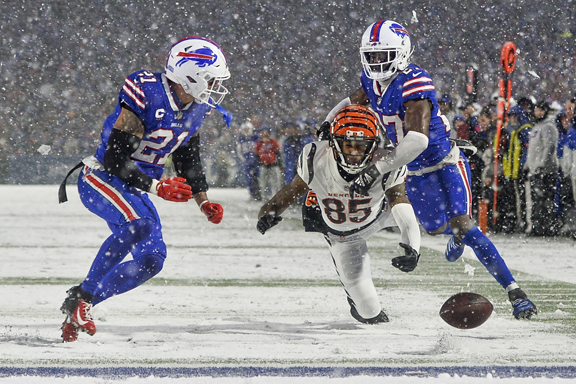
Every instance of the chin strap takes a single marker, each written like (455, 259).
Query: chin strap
(226, 116)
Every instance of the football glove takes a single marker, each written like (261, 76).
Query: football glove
(174, 189)
(465, 146)
(364, 181)
(324, 131)
(266, 222)
(408, 262)
(213, 211)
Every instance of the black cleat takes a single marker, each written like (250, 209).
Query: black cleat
(380, 318)
(71, 301)
(522, 307)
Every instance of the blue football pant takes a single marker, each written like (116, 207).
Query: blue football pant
(444, 194)
(135, 227)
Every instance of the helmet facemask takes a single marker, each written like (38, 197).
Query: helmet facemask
(353, 162)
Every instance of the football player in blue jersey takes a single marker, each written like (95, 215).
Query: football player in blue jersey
(438, 182)
(157, 115)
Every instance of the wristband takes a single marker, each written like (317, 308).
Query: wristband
(154, 187)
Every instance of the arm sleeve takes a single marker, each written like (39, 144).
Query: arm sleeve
(305, 166)
(188, 165)
(406, 219)
(338, 107)
(413, 144)
(117, 160)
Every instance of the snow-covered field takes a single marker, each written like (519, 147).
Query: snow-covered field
(233, 306)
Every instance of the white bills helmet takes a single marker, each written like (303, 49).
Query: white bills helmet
(385, 50)
(199, 66)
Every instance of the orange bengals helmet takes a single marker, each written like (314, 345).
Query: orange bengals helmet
(354, 137)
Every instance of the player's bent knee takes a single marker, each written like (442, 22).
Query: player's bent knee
(439, 231)
(152, 263)
(140, 229)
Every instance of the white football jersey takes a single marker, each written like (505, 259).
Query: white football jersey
(318, 168)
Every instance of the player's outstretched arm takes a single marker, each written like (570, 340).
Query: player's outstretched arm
(270, 212)
(416, 122)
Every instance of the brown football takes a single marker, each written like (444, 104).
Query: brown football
(466, 310)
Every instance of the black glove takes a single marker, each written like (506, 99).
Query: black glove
(408, 262)
(266, 222)
(364, 181)
(465, 146)
(324, 131)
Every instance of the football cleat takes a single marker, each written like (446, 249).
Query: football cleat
(522, 307)
(77, 307)
(81, 317)
(71, 301)
(69, 331)
(380, 318)
(454, 249)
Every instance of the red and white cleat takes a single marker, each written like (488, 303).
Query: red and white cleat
(69, 331)
(82, 318)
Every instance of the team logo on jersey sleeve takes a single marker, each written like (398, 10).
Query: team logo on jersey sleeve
(203, 57)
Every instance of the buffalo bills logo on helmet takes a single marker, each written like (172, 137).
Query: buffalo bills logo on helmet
(203, 57)
(399, 30)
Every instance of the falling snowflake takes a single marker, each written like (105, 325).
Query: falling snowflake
(44, 149)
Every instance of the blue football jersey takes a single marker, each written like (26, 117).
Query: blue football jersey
(413, 83)
(167, 123)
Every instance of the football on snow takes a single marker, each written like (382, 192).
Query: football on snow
(466, 310)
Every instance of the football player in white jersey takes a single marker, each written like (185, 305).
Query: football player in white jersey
(327, 168)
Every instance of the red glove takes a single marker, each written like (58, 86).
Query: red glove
(174, 189)
(213, 211)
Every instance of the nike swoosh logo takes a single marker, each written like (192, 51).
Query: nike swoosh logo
(79, 318)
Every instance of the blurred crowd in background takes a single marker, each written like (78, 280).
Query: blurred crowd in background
(62, 65)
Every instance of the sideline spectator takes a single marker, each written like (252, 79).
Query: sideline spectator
(268, 151)
(514, 160)
(479, 137)
(468, 111)
(459, 128)
(542, 166)
(445, 105)
(527, 103)
(505, 215)
(249, 160)
(565, 185)
(292, 146)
